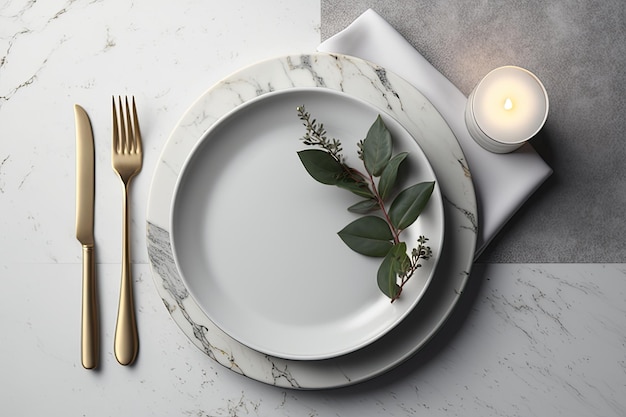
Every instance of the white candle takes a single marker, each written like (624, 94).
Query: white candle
(507, 108)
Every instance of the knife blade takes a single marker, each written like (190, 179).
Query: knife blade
(85, 201)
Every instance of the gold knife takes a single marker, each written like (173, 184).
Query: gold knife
(85, 195)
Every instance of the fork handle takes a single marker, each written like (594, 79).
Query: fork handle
(126, 337)
(126, 343)
(90, 338)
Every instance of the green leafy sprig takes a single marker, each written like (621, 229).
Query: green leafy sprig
(371, 235)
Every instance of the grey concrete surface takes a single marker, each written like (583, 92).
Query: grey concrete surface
(578, 50)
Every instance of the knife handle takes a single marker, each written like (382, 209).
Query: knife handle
(90, 340)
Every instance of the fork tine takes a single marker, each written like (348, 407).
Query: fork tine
(137, 132)
(128, 137)
(116, 138)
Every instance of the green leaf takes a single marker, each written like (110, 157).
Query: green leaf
(389, 175)
(408, 205)
(396, 262)
(369, 235)
(355, 185)
(321, 166)
(364, 207)
(377, 147)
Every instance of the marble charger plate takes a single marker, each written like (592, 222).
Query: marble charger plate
(255, 237)
(393, 97)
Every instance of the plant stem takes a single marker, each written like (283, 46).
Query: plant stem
(395, 232)
(422, 252)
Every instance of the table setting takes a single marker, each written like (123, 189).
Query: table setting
(175, 179)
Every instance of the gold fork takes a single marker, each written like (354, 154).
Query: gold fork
(126, 160)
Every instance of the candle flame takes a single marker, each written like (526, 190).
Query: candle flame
(508, 104)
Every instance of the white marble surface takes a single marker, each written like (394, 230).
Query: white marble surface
(527, 339)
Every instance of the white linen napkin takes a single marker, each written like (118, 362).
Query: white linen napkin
(503, 182)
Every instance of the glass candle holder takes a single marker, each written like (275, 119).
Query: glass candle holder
(506, 108)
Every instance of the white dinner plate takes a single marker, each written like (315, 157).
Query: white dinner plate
(391, 95)
(255, 237)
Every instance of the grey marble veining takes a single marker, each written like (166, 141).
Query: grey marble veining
(579, 52)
